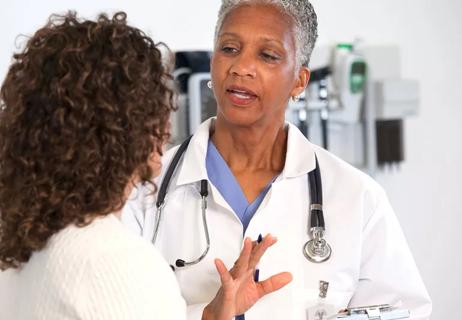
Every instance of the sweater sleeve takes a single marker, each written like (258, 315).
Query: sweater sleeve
(130, 284)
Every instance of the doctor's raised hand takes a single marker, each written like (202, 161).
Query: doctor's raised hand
(240, 290)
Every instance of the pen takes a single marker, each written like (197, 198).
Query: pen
(255, 277)
(257, 271)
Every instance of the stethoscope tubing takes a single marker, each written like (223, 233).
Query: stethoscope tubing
(315, 250)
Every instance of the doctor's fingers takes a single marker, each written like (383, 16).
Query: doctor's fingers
(242, 261)
(225, 276)
(273, 283)
(260, 249)
(230, 283)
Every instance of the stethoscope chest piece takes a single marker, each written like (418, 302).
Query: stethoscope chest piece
(317, 250)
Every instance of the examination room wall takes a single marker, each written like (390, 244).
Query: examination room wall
(427, 188)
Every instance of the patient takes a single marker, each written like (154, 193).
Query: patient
(83, 118)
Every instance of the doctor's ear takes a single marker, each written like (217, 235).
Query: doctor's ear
(301, 81)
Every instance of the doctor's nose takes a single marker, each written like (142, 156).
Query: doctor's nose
(244, 66)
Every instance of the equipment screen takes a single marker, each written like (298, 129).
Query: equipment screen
(208, 102)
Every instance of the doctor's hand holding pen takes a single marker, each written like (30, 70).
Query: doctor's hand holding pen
(239, 291)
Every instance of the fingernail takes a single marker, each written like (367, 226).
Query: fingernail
(271, 237)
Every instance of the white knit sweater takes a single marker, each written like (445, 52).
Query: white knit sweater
(100, 271)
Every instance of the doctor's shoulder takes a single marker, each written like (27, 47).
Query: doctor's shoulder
(339, 176)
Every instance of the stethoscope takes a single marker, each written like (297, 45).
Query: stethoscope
(316, 249)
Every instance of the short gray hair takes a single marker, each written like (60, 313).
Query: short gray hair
(302, 13)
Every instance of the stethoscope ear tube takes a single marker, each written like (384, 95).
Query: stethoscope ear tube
(204, 189)
(170, 170)
(180, 263)
(165, 183)
(204, 192)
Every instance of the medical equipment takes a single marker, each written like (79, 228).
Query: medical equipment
(319, 82)
(196, 102)
(346, 125)
(390, 100)
(202, 103)
(357, 109)
(310, 113)
(315, 250)
(378, 312)
(160, 203)
(394, 99)
(349, 75)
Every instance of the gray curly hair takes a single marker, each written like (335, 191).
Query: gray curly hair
(302, 13)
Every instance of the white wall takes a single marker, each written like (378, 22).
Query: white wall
(179, 23)
(427, 189)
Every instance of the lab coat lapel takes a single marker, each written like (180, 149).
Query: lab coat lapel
(300, 156)
(192, 168)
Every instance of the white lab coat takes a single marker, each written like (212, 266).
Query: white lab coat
(370, 263)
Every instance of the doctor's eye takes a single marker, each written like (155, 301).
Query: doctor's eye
(270, 57)
(229, 49)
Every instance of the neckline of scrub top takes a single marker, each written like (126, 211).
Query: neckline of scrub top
(299, 157)
(221, 176)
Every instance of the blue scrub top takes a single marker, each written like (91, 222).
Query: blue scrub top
(222, 178)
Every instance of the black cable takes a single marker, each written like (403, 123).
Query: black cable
(168, 175)
(325, 137)
(204, 188)
(315, 186)
(317, 175)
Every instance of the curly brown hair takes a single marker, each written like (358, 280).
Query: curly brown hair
(82, 108)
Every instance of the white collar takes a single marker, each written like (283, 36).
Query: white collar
(299, 158)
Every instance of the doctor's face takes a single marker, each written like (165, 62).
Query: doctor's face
(253, 65)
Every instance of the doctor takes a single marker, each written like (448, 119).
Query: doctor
(257, 168)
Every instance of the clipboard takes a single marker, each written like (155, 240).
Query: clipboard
(375, 312)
